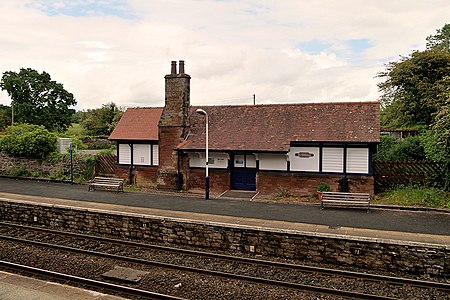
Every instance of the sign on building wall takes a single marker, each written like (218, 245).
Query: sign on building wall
(304, 159)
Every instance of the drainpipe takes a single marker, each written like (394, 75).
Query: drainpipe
(130, 172)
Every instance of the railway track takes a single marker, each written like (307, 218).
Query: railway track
(129, 291)
(271, 273)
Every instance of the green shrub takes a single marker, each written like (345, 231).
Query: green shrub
(416, 196)
(27, 140)
(323, 187)
(19, 172)
(282, 193)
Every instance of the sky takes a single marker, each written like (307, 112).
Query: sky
(281, 51)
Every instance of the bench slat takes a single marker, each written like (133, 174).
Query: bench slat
(345, 199)
(107, 182)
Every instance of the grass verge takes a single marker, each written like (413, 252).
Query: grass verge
(415, 196)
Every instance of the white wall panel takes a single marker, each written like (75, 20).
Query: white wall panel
(124, 154)
(250, 161)
(216, 160)
(141, 154)
(333, 160)
(304, 159)
(155, 149)
(358, 160)
(277, 162)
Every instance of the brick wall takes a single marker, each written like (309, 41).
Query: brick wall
(142, 175)
(304, 184)
(172, 125)
(219, 180)
(374, 254)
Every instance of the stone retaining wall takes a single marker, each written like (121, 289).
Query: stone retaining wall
(43, 168)
(362, 253)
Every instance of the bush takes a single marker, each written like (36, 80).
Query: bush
(27, 140)
(323, 187)
(392, 148)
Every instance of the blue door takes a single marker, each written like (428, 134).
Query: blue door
(243, 172)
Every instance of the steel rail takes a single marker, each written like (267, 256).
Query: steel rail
(311, 269)
(297, 286)
(90, 282)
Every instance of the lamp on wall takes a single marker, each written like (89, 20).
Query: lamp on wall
(202, 112)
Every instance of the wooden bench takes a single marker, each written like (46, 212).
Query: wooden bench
(107, 183)
(345, 199)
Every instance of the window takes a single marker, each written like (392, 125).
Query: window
(358, 160)
(333, 160)
(143, 154)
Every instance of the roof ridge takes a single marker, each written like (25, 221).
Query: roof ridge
(293, 104)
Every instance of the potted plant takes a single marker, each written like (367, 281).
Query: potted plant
(322, 187)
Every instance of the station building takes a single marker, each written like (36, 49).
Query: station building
(265, 148)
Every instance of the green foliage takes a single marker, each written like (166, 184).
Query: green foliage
(38, 100)
(27, 140)
(5, 116)
(442, 129)
(434, 150)
(392, 148)
(76, 130)
(282, 193)
(101, 121)
(19, 172)
(416, 196)
(441, 40)
(77, 143)
(323, 187)
(59, 174)
(111, 150)
(414, 88)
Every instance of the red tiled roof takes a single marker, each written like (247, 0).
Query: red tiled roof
(273, 127)
(138, 124)
(262, 127)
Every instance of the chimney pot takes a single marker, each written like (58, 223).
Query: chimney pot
(181, 67)
(173, 70)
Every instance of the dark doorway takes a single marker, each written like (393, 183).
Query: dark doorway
(243, 172)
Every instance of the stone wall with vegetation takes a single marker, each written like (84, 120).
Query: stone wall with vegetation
(56, 167)
(358, 252)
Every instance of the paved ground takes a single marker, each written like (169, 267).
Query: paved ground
(16, 287)
(433, 223)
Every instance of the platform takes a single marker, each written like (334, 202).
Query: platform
(17, 287)
(406, 226)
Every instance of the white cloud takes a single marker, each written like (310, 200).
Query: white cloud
(119, 50)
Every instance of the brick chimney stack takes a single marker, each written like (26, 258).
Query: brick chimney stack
(173, 124)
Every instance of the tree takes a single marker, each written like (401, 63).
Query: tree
(101, 121)
(442, 129)
(392, 148)
(26, 140)
(5, 116)
(441, 40)
(38, 100)
(415, 88)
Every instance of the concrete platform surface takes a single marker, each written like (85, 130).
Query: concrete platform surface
(17, 287)
(391, 225)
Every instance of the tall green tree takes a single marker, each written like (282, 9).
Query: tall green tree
(5, 116)
(414, 88)
(101, 121)
(441, 40)
(37, 99)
